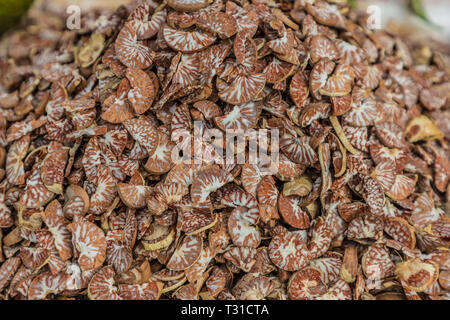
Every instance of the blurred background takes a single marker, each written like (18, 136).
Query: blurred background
(430, 17)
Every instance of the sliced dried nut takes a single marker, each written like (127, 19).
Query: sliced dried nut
(306, 284)
(102, 285)
(288, 251)
(376, 262)
(422, 128)
(350, 264)
(418, 275)
(146, 291)
(133, 196)
(189, 6)
(158, 237)
(301, 186)
(340, 82)
(399, 229)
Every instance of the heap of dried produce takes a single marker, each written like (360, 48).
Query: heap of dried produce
(93, 205)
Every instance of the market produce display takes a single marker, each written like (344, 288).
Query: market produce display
(112, 186)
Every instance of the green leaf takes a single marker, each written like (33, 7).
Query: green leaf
(352, 3)
(11, 11)
(419, 9)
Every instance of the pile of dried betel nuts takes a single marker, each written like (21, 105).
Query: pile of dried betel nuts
(112, 186)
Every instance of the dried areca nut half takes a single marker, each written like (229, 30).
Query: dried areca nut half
(288, 169)
(142, 90)
(300, 186)
(330, 265)
(424, 211)
(242, 229)
(189, 6)
(422, 128)
(133, 196)
(196, 272)
(145, 291)
(56, 223)
(187, 41)
(288, 251)
(102, 285)
(8, 270)
(292, 213)
(349, 211)
(403, 187)
(241, 117)
(340, 290)
(278, 70)
(168, 275)
(172, 285)
(390, 134)
(208, 180)
(118, 255)
(418, 275)
(319, 76)
(322, 47)
(376, 262)
(253, 287)
(35, 194)
(251, 176)
(441, 171)
(243, 88)
(299, 89)
(320, 239)
(139, 20)
(209, 109)
(306, 284)
(6, 217)
(186, 253)
(313, 112)
(440, 228)
(130, 51)
(400, 230)
(105, 192)
(52, 170)
(193, 222)
(222, 23)
(90, 243)
(341, 104)
(365, 226)
(158, 237)
(34, 258)
(161, 160)
(326, 13)
(116, 108)
(77, 201)
(298, 149)
(44, 284)
(217, 281)
(340, 83)
(381, 154)
(444, 279)
(357, 136)
(362, 113)
(164, 194)
(373, 194)
(384, 173)
(143, 132)
(241, 257)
